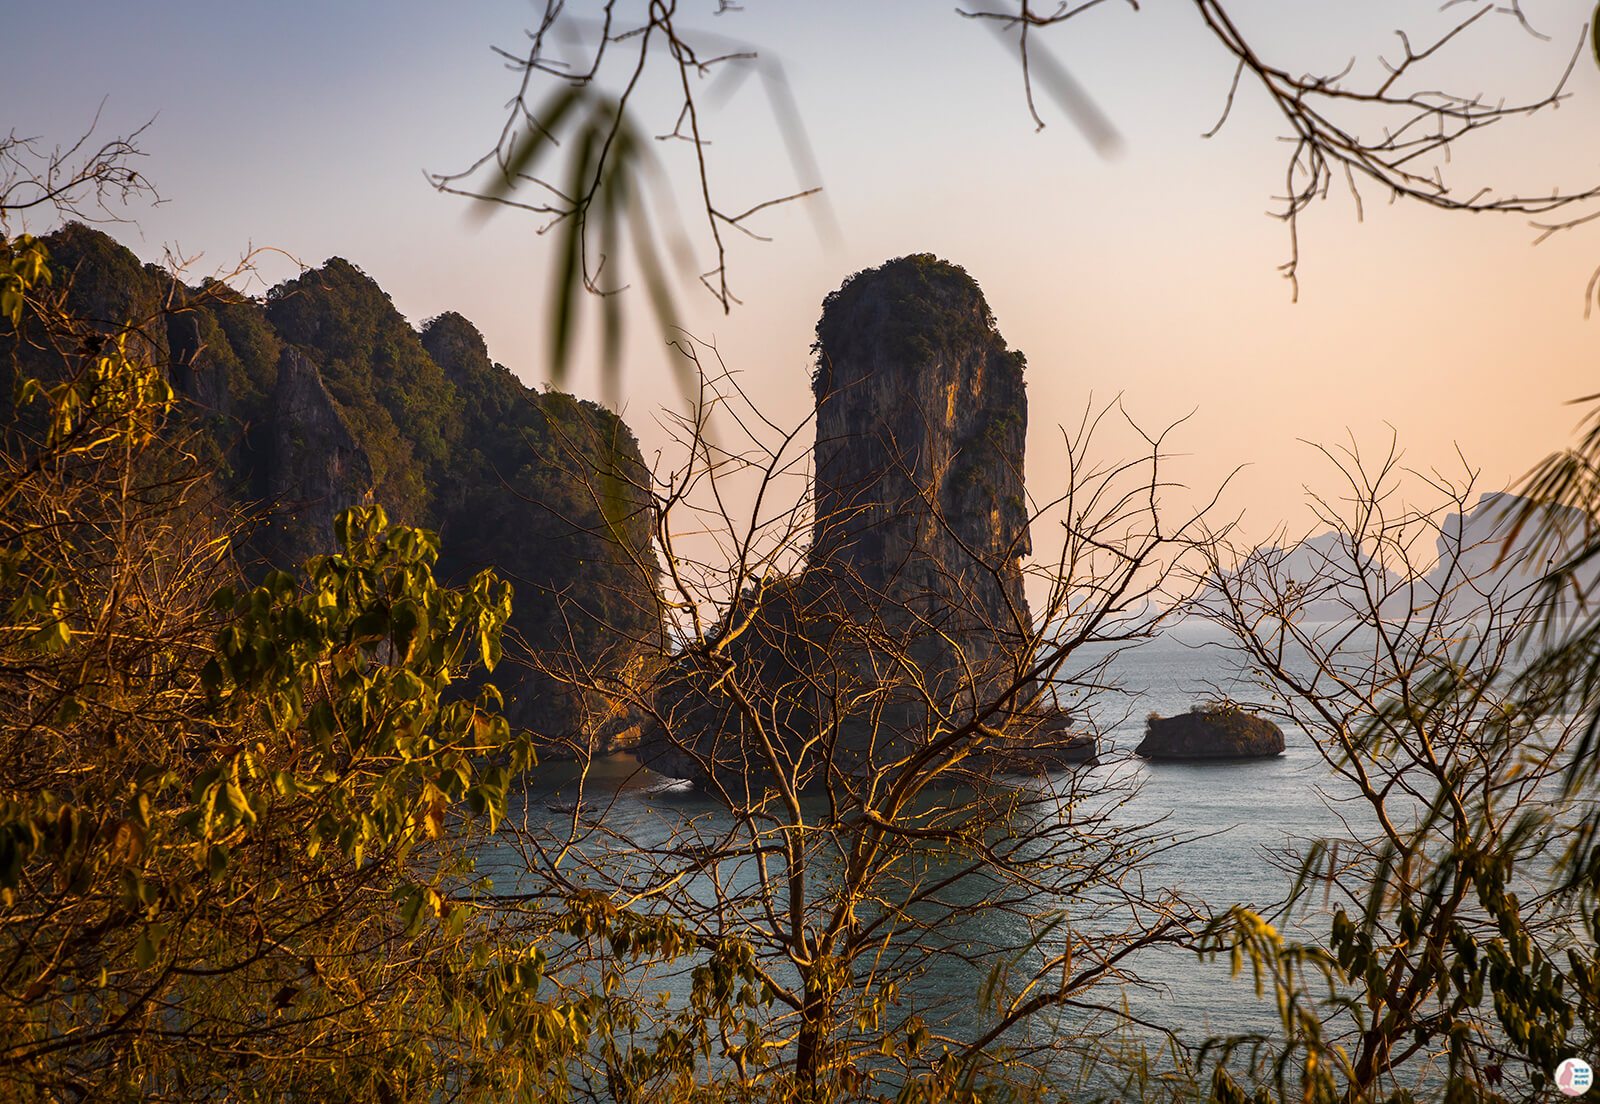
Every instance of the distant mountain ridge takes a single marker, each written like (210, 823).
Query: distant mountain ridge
(1488, 554)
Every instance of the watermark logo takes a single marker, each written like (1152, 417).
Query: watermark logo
(1574, 1076)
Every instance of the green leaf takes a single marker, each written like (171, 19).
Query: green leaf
(538, 138)
(1594, 33)
(148, 947)
(660, 289)
(411, 908)
(569, 264)
(613, 201)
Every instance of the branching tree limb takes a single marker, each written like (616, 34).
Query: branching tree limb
(1395, 131)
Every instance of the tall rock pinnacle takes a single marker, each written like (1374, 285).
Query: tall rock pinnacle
(906, 639)
(921, 422)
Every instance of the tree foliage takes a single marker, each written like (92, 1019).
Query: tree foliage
(1449, 946)
(232, 819)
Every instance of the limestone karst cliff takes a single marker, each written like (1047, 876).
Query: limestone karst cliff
(908, 620)
(324, 394)
(315, 468)
(921, 424)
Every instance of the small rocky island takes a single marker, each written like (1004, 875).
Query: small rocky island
(1210, 732)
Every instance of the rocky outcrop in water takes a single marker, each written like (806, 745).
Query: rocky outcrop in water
(1210, 732)
(909, 620)
(1043, 739)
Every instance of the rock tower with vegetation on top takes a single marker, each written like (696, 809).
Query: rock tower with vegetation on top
(909, 619)
(921, 425)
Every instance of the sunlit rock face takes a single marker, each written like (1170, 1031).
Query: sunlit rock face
(921, 422)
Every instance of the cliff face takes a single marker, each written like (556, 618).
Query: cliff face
(909, 618)
(316, 468)
(323, 396)
(390, 391)
(921, 424)
(535, 474)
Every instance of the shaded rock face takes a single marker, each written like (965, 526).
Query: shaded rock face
(568, 723)
(786, 656)
(195, 374)
(533, 473)
(1219, 732)
(317, 468)
(1043, 740)
(921, 422)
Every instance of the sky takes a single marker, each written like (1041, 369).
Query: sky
(308, 129)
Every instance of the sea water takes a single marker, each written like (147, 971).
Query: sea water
(1243, 822)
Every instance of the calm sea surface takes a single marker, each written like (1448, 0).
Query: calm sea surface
(1240, 813)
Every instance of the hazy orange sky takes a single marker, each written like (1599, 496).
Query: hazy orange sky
(308, 127)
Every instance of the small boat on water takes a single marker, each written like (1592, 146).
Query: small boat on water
(570, 808)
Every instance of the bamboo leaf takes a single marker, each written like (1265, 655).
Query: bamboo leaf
(569, 264)
(532, 144)
(659, 289)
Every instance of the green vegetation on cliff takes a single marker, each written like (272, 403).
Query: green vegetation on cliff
(390, 392)
(548, 490)
(920, 305)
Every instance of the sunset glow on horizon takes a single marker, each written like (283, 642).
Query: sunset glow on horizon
(1152, 275)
